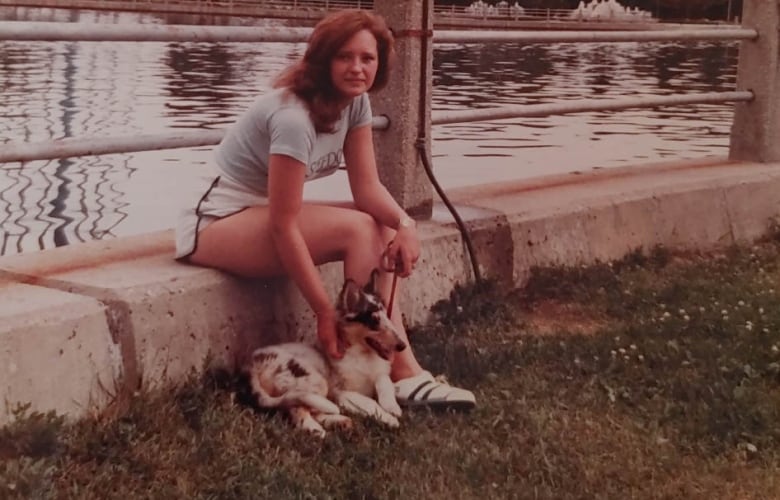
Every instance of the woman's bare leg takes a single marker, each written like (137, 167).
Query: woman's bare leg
(241, 244)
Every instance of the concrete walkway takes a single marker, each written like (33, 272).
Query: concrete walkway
(82, 324)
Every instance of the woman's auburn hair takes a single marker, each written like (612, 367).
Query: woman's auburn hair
(310, 79)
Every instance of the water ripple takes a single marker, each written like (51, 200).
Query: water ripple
(55, 90)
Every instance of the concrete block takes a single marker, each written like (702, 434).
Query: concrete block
(556, 239)
(620, 228)
(171, 317)
(443, 265)
(293, 319)
(692, 220)
(124, 309)
(56, 352)
(752, 206)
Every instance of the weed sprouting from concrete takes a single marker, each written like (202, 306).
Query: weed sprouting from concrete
(657, 376)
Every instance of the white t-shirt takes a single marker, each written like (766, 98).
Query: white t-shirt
(279, 123)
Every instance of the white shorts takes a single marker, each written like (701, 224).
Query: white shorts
(217, 198)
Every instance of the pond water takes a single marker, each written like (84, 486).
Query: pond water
(52, 90)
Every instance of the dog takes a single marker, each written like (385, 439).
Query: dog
(313, 388)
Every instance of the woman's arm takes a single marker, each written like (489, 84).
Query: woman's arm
(285, 194)
(369, 193)
(372, 197)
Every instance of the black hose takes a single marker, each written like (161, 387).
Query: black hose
(420, 143)
(421, 140)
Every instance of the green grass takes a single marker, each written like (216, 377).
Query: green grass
(654, 377)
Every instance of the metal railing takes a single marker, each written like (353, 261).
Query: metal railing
(689, 35)
(508, 12)
(290, 8)
(27, 31)
(72, 32)
(66, 148)
(585, 105)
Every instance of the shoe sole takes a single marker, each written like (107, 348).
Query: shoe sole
(463, 406)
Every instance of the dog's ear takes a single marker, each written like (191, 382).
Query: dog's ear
(371, 285)
(350, 297)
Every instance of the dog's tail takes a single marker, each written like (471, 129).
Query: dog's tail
(291, 399)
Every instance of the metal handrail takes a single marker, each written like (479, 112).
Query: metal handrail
(714, 34)
(91, 146)
(51, 32)
(96, 32)
(228, 5)
(65, 148)
(584, 105)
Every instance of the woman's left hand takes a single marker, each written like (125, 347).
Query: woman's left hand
(402, 252)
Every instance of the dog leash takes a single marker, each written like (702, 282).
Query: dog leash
(392, 295)
(394, 270)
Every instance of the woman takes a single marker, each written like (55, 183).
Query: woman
(252, 220)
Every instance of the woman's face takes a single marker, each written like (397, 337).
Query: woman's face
(354, 66)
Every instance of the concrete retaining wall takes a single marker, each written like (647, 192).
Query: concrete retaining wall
(82, 324)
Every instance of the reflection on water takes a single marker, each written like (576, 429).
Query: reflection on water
(56, 90)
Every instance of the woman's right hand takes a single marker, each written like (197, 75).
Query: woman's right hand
(327, 334)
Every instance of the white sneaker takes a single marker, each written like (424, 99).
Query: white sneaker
(434, 392)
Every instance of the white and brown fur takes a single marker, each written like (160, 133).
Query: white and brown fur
(313, 388)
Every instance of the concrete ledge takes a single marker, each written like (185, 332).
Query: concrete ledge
(123, 314)
(56, 351)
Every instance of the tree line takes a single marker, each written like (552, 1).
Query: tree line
(663, 9)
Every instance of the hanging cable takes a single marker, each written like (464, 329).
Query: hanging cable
(461, 225)
(420, 143)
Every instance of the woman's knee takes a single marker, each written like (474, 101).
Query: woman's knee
(359, 226)
(365, 231)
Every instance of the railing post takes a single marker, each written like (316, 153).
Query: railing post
(400, 166)
(755, 132)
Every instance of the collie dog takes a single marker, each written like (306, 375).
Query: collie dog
(313, 389)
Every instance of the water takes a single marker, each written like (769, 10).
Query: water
(56, 90)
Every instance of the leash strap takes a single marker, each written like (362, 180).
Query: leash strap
(390, 267)
(392, 295)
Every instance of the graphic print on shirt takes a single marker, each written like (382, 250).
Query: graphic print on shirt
(325, 164)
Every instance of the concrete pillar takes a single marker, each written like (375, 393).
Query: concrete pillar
(400, 167)
(755, 132)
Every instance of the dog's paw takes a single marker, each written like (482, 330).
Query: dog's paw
(383, 417)
(388, 420)
(344, 425)
(313, 428)
(335, 422)
(391, 406)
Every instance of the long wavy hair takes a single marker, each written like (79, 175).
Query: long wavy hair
(309, 78)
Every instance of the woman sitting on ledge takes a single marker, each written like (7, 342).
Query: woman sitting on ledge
(252, 221)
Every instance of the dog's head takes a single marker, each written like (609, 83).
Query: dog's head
(363, 319)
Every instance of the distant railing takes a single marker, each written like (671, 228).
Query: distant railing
(228, 4)
(302, 8)
(260, 8)
(505, 13)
